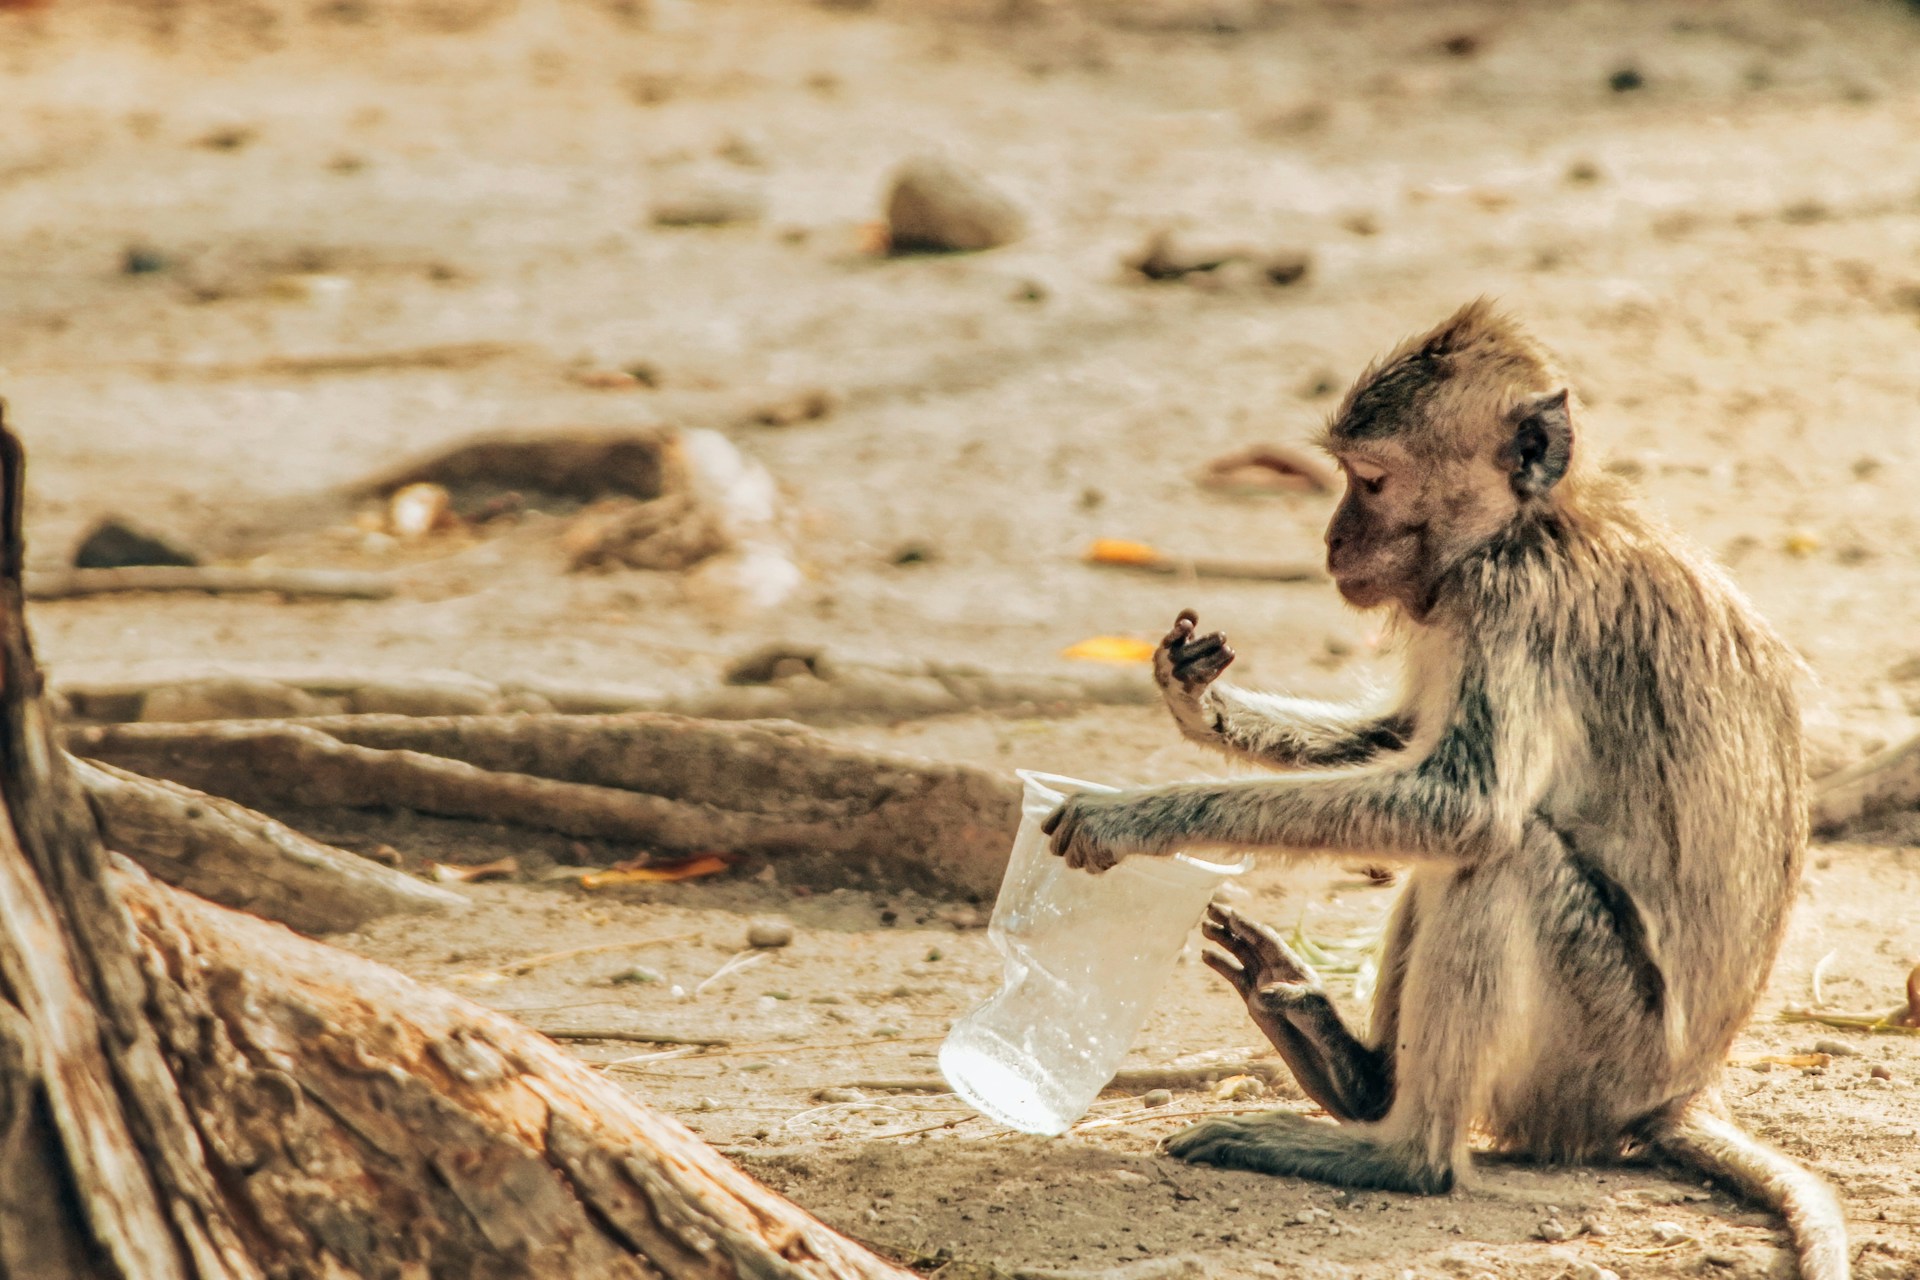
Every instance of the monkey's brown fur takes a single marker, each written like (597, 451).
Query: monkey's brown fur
(1594, 763)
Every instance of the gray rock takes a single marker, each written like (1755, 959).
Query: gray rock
(935, 206)
(706, 206)
(115, 543)
(769, 931)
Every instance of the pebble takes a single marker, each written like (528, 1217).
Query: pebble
(769, 931)
(1880, 1071)
(840, 1095)
(1838, 1048)
(1156, 1097)
(1585, 1269)
(935, 206)
(714, 206)
(1552, 1230)
(115, 543)
(1669, 1232)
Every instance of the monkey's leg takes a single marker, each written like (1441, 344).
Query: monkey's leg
(1352, 1080)
(1461, 1009)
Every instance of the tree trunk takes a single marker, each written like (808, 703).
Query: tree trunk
(189, 1092)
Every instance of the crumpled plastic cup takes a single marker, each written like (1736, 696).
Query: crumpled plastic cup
(1085, 956)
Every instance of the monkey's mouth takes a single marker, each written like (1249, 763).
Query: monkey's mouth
(1361, 593)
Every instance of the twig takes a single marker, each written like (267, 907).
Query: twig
(1128, 1078)
(64, 584)
(944, 1124)
(630, 1036)
(733, 966)
(628, 1061)
(1885, 1024)
(1206, 567)
(516, 968)
(775, 1046)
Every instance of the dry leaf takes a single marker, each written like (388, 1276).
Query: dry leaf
(1121, 551)
(1109, 649)
(499, 869)
(706, 864)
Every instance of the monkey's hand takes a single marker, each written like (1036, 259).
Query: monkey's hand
(1185, 665)
(1092, 832)
(1253, 957)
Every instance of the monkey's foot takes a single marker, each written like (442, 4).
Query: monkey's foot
(1282, 1142)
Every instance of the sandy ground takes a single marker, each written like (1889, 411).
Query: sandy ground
(1712, 210)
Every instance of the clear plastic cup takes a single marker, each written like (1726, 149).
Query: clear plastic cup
(1085, 956)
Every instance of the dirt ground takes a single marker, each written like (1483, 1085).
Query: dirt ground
(1711, 209)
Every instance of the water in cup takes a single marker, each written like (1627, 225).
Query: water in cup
(1085, 955)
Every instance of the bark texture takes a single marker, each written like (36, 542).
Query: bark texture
(189, 1093)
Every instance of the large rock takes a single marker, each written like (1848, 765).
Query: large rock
(935, 206)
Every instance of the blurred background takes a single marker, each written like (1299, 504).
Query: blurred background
(910, 303)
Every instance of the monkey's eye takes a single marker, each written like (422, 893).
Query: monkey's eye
(1370, 479)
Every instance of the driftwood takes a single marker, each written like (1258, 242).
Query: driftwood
(188, 1093)
(824, 689)
(64, 584)
(1872, 789)
(670, 783)
(239, 858)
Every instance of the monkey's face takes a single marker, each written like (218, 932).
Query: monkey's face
(1444, 444)
(1378, 542)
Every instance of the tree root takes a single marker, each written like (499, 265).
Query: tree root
(786, 682)
(672, 784)
(238, 858)
(1881, 784)
(66, 584)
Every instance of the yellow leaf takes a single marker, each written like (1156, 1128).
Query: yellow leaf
(685, 869)
(1109, 649)
(1120, 551)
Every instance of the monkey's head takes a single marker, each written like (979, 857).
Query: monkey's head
(1445, 444)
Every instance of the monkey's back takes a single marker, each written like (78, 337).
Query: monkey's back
(1679, 811)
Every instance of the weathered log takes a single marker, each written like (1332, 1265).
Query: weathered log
(671, 783)
(189, 1093)
(236, 857)
(64, 584)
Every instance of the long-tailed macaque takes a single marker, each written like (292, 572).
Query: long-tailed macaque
(1593, 764)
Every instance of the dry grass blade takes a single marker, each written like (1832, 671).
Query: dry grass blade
(630, 1035)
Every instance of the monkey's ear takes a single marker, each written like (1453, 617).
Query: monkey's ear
(1542, 444)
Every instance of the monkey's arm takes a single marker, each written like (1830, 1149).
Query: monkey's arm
(1446, 806)
(1292, 733)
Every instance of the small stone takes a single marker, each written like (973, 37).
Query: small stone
(140, 260)
(1586, 1269)
(114, 543)
(769, 931)
(1552, 1230)
(1669, 1232)
(1131, 1178)
(706, 206)
(840, 1095)
(1879, 1071)
(935, 206)
(1838, 1048)
(638, 975)
(1626, 80)
(1156, 1097)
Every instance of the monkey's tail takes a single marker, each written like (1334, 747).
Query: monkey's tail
(1715, 1145)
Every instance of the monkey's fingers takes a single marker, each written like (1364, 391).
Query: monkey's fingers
(1182, 628)
(1052, 822)
(1227, 968)
(1202, 666)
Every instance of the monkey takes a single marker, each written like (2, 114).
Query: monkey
(1592, 764)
